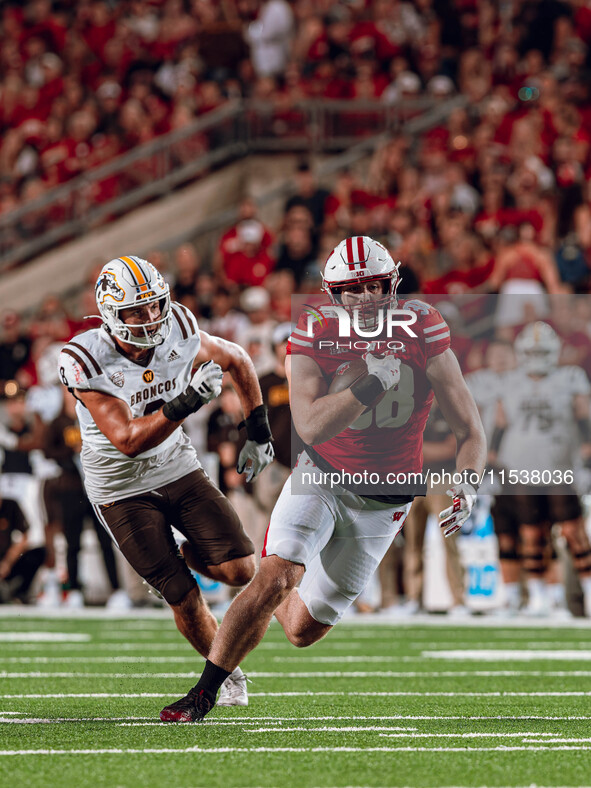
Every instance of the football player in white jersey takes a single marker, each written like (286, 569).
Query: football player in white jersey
(330, 541)
(487, 386)
(542, 432)
(135, 382)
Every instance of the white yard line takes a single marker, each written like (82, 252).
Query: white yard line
(460, 644)
(255, 750)
(471, 735)
(377, 622)
(278, 721)
(499, 655)
(43, 637)
(409, 734)
(323, 729)
(358, 674)
(310, 693)
(531, 739)
(191, 657)
(351, 658)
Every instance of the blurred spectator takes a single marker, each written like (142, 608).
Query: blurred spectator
(186, 270)
(15, 349)
(270, 36)
(229, 242)
(256, 336)
(406, 85)
(225, 321)
(281, 287)
(297, 252)
(19, 562)
(18, 481)
(308, 194)
(249, 263)
(69, 504)
(52, 320)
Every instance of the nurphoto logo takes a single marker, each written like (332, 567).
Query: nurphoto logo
(385, 318)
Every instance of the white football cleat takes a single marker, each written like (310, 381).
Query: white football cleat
(119, 600)
(459, 611)
(49, 598)
(74, 600)
(233, 691)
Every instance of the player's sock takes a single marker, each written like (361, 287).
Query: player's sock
(211, 680)
(538, 595)
(557, 594)
(513, 595)
(586, 586)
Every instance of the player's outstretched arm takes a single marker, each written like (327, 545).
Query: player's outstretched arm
(236, 361)
(257, 452)
(318, 416)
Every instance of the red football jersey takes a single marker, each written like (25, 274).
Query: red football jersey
(389, 438)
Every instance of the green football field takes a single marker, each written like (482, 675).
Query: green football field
(377, 703)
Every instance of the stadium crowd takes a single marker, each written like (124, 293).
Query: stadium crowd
(494, 200)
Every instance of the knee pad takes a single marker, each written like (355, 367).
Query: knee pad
(173, 585)
(325, 602)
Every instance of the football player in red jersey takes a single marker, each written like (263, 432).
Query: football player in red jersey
(330, 539)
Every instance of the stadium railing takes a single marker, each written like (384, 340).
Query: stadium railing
(233, 130)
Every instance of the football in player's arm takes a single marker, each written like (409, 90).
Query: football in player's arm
(135, 382)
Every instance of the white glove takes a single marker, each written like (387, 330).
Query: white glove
(8, 440)
(256, 456)
(207, 381)
(386, 370)
(452, 518)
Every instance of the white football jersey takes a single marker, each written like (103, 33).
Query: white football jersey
(486, 387)
(93, 362)
(542, 431)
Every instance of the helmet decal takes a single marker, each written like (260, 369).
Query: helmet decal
(107, 287)
(356, 253)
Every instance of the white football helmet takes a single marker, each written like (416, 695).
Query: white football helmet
(538, 348)
(360, 260)
(127, 282)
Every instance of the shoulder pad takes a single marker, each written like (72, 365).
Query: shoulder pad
(184, 319)
(77, 365)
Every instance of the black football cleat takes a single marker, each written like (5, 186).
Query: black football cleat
(192, 708)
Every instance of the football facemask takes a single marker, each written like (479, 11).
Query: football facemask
(360, 260)
(131, 282)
